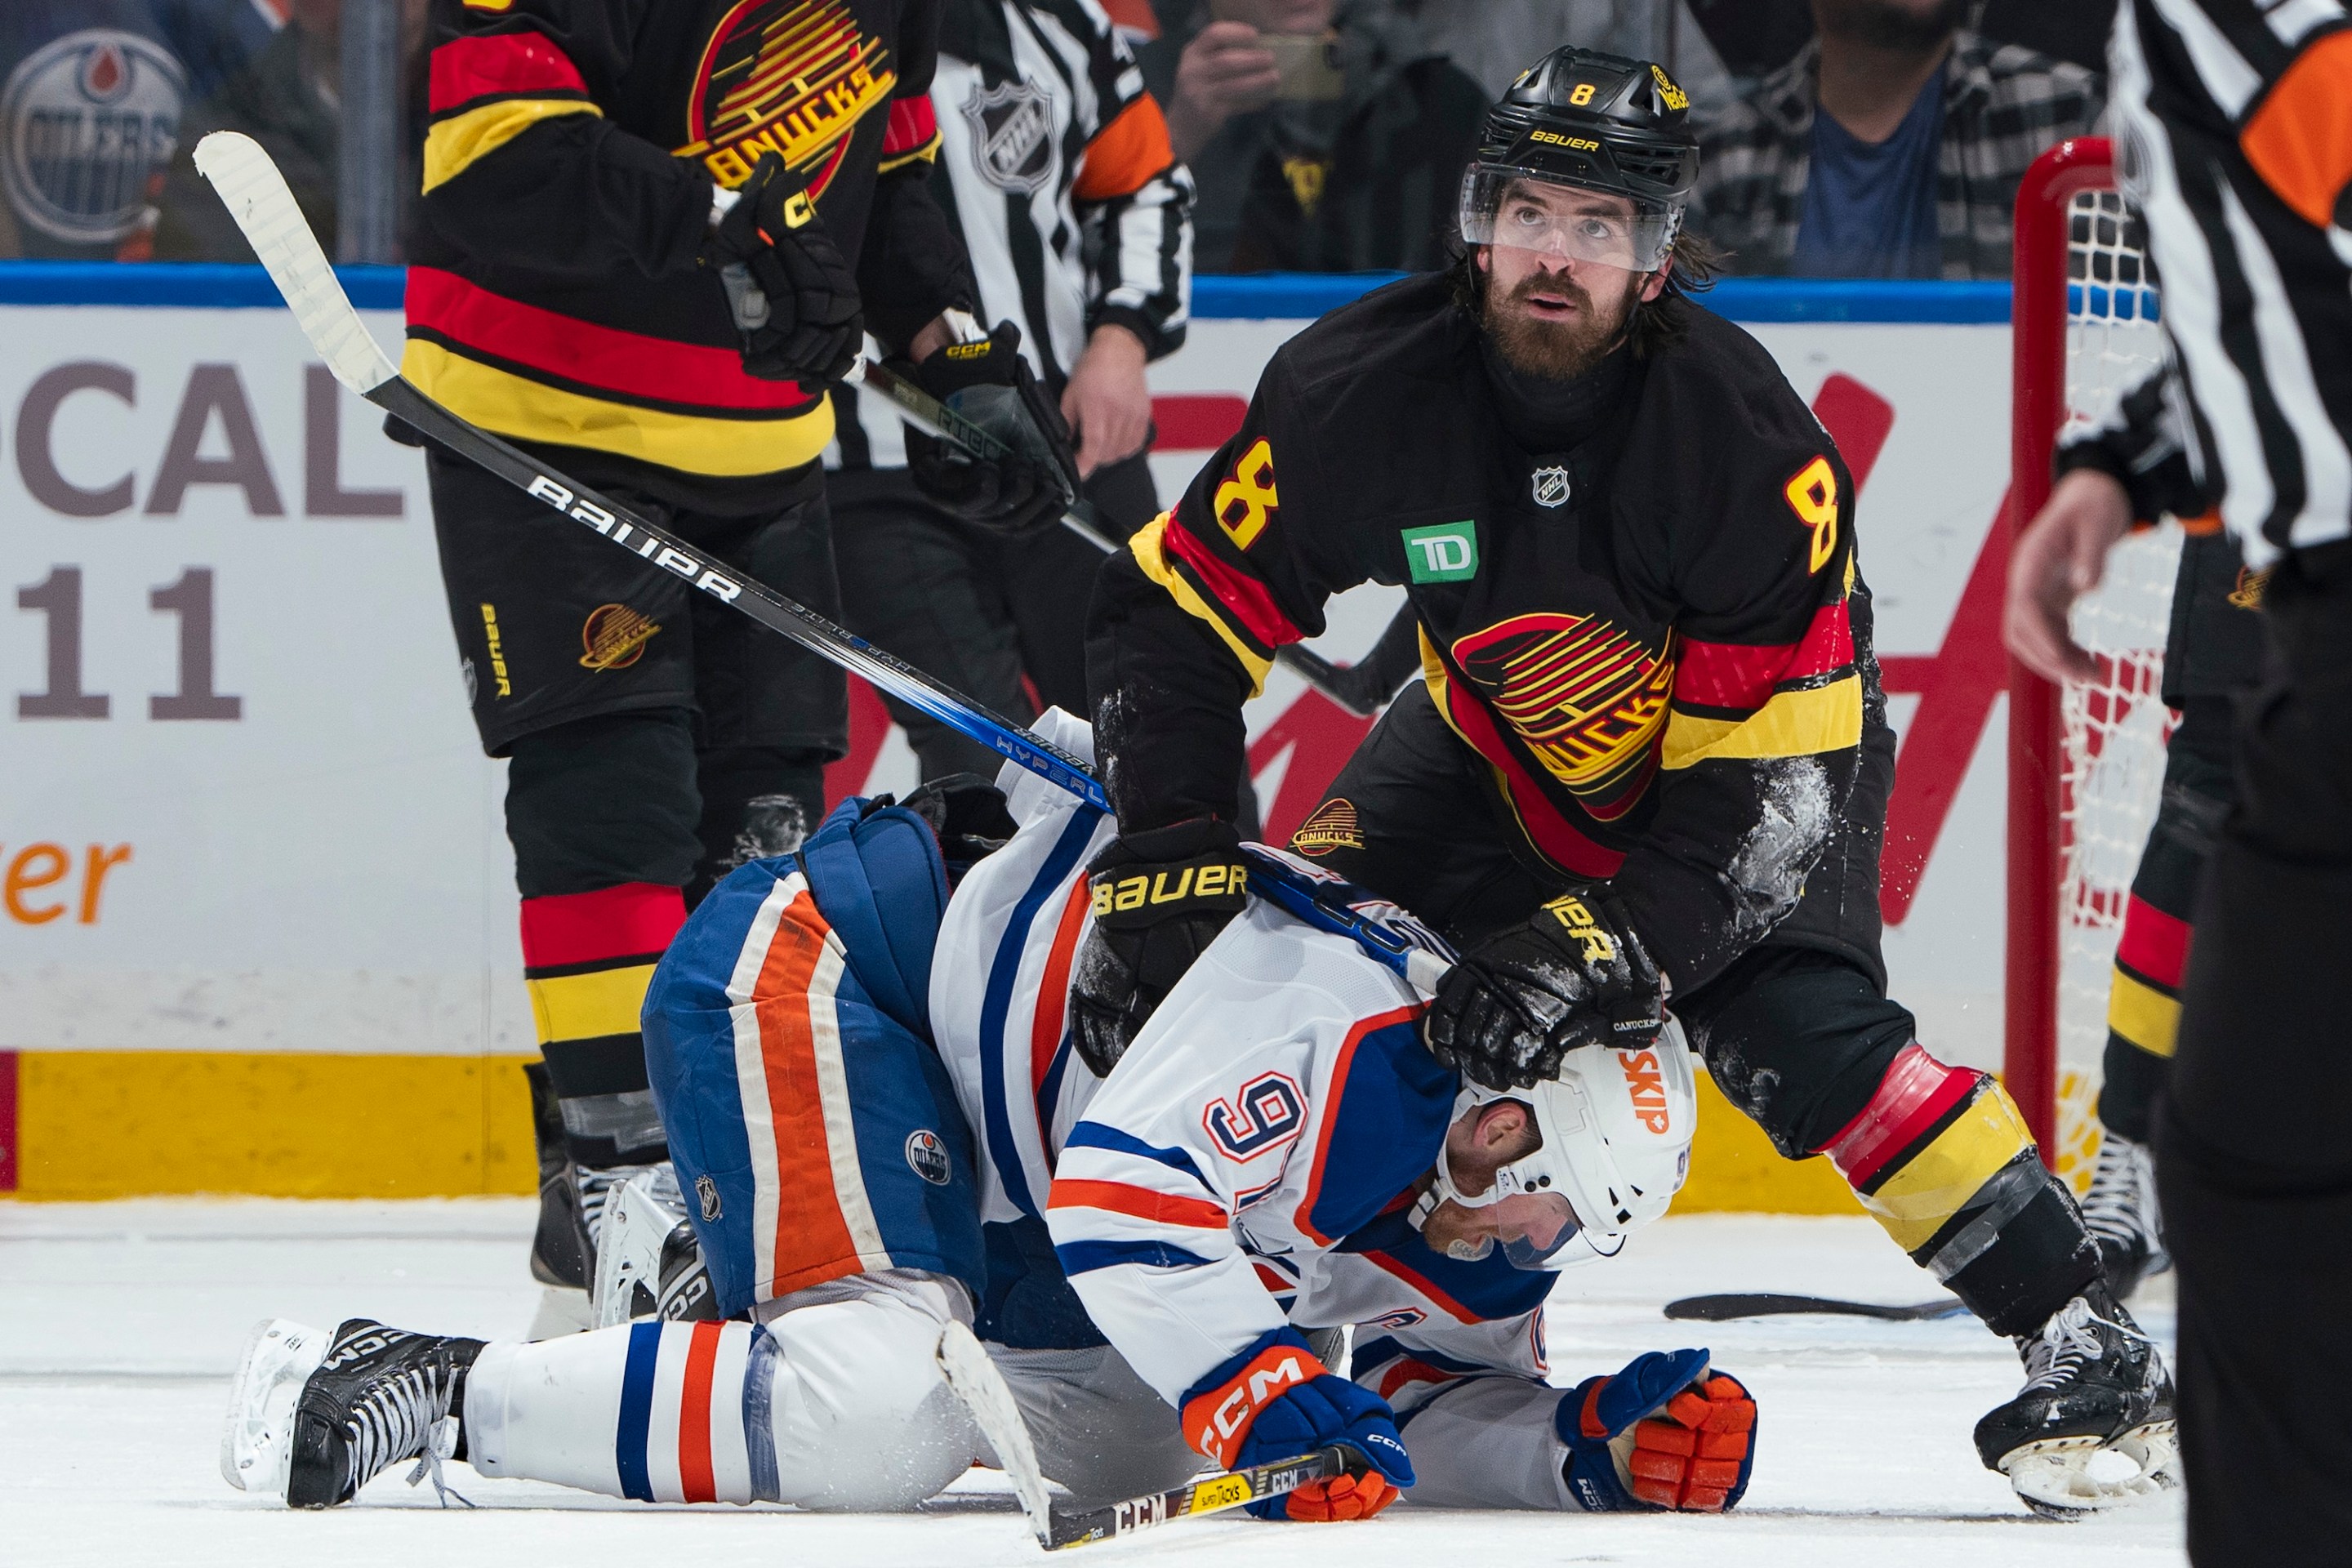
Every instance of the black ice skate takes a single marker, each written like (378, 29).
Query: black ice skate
(314, 1418)
(559, 1249)
(648, 1259)
(2121, 1213)
(2092, 1427)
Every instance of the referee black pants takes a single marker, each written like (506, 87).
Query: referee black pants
(2254, 1140)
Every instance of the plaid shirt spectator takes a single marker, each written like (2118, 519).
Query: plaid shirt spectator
(2002, 106)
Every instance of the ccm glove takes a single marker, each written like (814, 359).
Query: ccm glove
(991, 384)
(1666, 1433)
(794, 295)
(1230, 1420)
(1159, 900)
(1516, 1004)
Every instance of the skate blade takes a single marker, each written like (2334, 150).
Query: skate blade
(2071, 1477)
(257, 1437)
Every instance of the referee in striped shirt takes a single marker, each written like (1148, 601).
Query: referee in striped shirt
(1056, 166)
(2235, 118)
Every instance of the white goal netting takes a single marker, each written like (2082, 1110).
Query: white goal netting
(2115, 727)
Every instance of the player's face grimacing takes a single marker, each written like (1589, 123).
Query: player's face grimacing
(1560, 286)
(1529, 1226)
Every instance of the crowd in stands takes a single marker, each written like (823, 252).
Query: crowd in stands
(1843, 138)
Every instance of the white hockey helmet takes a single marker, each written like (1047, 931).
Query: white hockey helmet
(1616, 1127)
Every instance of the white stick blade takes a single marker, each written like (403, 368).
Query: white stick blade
(257, 197)
(984, 1390)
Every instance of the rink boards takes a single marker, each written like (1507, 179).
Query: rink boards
(256, 912)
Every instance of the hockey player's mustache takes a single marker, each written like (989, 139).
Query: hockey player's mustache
(1557, 283)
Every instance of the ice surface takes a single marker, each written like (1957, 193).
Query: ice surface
(120, 1323)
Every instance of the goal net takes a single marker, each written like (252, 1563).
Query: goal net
(2109, 745)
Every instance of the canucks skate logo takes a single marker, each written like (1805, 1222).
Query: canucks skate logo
(788, 77)
(84, 121)
(1585, 696)
(1012, 135)
(927, 1156)
(1551, 487)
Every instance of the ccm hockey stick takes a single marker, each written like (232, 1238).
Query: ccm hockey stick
(1724, 1309)
(937, 420)
(1210, 1494)
(265, 210)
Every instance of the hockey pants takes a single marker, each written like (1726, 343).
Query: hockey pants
(1798, 1033)
(2253, 1167)
(833, 1401)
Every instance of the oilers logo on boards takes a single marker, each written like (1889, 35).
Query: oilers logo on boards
(87, 119)
(1550, 487)
(927, 1156)
(1012, 135)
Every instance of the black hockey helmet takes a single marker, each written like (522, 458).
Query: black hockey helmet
(1593, 122)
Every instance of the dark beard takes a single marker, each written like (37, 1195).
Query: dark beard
(1879, 26)
(1555, 350)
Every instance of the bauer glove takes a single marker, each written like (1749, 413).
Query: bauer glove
(1229, 1419)
(1516, 1004)
(991, 384)
(792, 291)
(1159, 900)
(1666, 1433)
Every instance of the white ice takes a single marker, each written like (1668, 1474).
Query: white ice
(119, 1324)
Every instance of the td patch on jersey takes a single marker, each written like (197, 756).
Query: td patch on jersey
(927, 1156)
(1012, 135)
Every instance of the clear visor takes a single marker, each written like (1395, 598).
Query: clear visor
(1532, 1228)
(1530, 211)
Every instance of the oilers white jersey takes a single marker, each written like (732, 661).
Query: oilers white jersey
(1251, 1165)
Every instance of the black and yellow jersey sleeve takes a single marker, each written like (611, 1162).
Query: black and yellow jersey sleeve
(571, 153)
(1765, 720)
(1187, 620)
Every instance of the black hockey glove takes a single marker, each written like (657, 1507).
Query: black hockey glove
(1160, 898)
(793, 294)
(1575, 974)
(991, 384)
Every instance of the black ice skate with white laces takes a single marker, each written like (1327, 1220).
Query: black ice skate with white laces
(2121, 1213)
(314, 1417)
(2092, 1427)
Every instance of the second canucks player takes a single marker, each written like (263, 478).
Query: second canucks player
(1651, 754)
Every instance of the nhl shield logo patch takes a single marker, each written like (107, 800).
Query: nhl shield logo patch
(927, 1156)
(706, 1192)
(1012, 135)
(1550, 487)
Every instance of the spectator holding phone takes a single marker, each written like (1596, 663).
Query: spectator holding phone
(1324, 135)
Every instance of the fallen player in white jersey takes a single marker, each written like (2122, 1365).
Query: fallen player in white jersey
(883, 1136)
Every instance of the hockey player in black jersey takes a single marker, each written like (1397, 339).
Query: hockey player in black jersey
(648, 235)
(1651, 756)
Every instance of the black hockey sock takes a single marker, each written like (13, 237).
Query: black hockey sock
(757, 802)
(2036, 1260)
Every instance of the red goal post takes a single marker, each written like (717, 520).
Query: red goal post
(2085, 762)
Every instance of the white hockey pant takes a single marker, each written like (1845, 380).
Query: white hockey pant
(836, 1401)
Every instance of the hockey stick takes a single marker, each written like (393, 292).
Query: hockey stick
(265, 210)
(937, 420)
(1211, 1494)
(1724, 1309)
